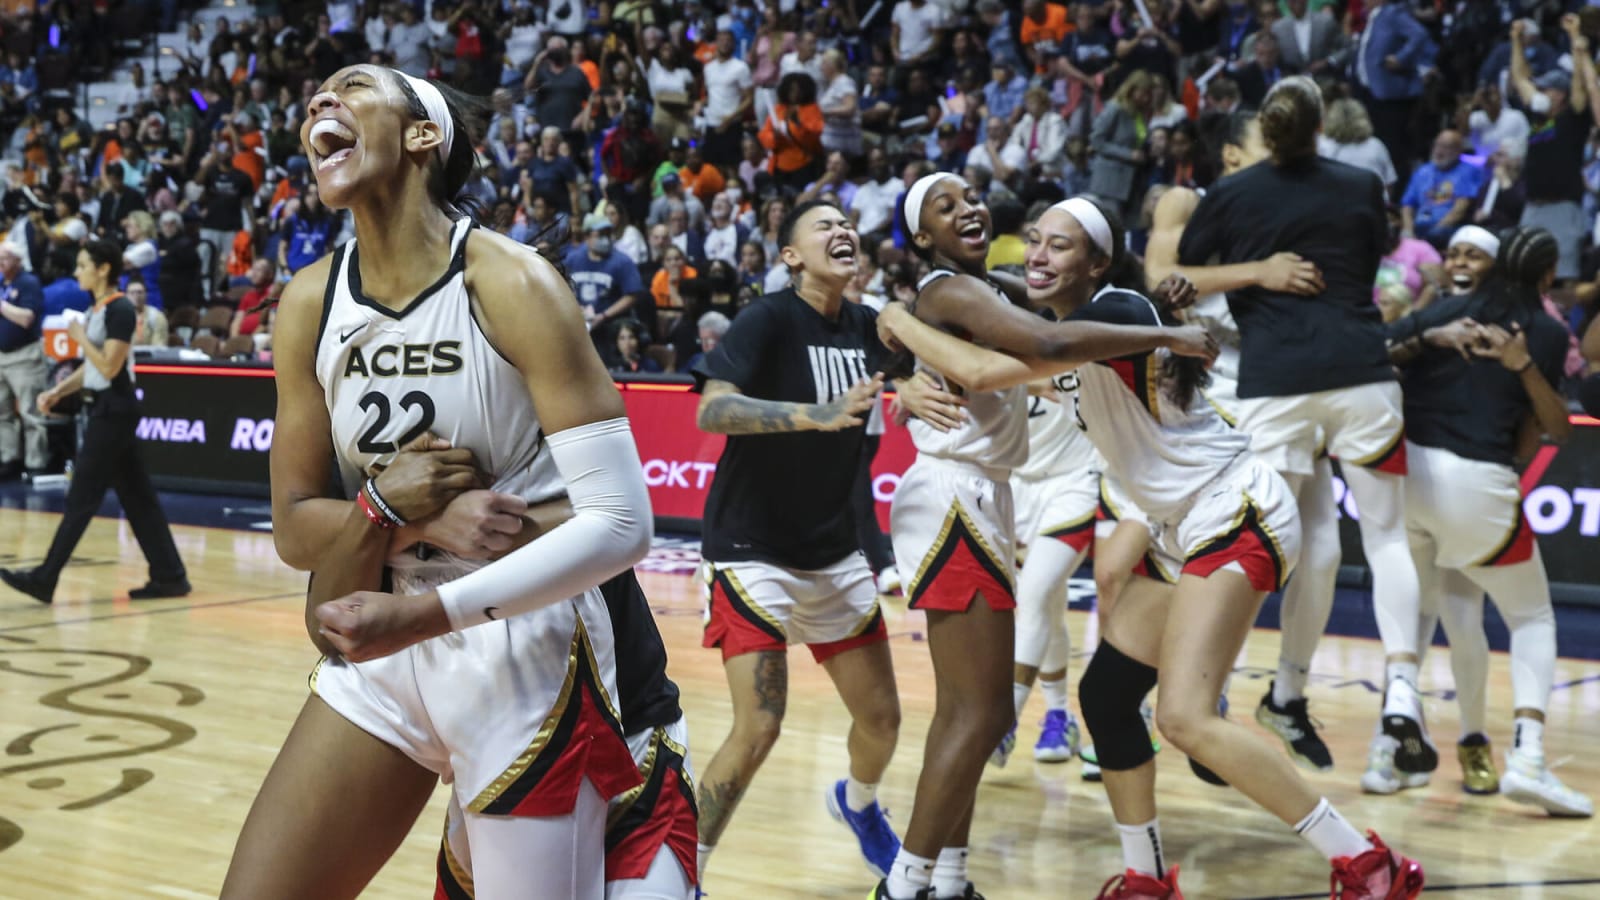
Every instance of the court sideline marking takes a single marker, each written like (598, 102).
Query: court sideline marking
(150, 612)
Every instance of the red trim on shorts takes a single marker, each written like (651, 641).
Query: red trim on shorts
(1518, 547)
(1392, 460)
(874, 633)
(587, 744)
(1079, 537)
(1251, 546)
(958, 574)
(445, 885)
(734, 626)
(664, 815)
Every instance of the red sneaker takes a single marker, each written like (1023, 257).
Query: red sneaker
(1131, 885)
(1378, 874)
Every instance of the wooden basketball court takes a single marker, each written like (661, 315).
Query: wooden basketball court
(136, 735)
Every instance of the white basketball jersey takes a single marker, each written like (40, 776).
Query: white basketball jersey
(995, 434)
(391, 375)
(1056, 445)
(1161, 454)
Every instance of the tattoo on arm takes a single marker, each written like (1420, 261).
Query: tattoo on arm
(723, 410)
(738, 414)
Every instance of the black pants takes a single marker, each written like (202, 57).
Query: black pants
(1391, 124)
(873, 543)
(723, 148)
(109, 458)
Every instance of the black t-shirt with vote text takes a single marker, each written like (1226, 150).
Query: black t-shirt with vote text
(785, 498)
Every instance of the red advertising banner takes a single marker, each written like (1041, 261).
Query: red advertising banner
(679, 459)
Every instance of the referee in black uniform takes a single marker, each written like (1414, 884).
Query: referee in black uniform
(109, 455)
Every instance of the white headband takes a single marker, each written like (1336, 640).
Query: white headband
(438, 111)
(919, 191)
(1473, 236)
(1093, 221)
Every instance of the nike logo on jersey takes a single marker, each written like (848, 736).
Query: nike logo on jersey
(344, 337)
(489, 612)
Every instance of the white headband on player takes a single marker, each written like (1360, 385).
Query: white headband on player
(1093, 221)
(919, 192)
(1474, 236)
(438, 111)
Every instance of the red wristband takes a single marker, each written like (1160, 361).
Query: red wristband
(372, 515)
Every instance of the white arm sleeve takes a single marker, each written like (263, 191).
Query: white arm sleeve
(609, 531)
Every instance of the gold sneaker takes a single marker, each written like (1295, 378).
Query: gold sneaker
(1478, 774)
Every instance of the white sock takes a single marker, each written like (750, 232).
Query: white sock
(703, 854)
(1528, 738)
(950, 872)
(1328, 831)
(859, 795)
(909, 873)
(1055, 693)
(1400, 694)
(1405, 671)
(1019, 696)
(1290, 684)
(1141, 848)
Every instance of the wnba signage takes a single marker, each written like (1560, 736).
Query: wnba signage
(206, 427)
(1560, 499)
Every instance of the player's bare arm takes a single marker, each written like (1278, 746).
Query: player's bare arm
(947, 305)
(724, 409)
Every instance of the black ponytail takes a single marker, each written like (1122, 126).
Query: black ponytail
(447, 182)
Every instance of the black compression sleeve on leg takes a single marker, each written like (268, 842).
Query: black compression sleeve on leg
(1109, 695)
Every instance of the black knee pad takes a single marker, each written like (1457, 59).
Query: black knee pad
(1109, 695)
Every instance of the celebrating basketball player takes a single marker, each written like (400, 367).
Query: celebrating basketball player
(650, 830)
(791, 385)
(1470, 416)
(1229, 535)
(1314, 373)
(1308, 598)
(953, 522)
(496, 677)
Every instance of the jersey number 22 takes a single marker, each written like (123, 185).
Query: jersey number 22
(369, 443)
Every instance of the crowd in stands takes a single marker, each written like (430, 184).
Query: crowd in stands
(652, 146)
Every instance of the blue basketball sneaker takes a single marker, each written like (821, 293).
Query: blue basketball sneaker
(879, 843)
(1002, 753)
(1058, 738)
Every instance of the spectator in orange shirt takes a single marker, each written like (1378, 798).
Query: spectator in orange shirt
(703, 180)
(793, 132)
(580, 58)
(1044, 26)
(247, 141)
(669, 278)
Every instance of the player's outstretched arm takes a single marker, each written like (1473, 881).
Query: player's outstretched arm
(948, 304)
(724, 409)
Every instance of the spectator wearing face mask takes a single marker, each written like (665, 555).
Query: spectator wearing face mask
(1563, 110)
(604, 280)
